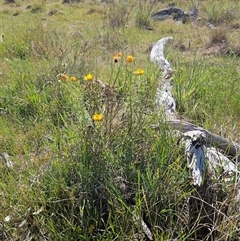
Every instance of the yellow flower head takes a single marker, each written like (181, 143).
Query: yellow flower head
(88, 77)
(64, 77)
(73, 79)
(139, 72)
(117, 56)
(129, 59)
(97, 117)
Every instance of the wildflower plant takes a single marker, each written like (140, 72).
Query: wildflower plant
(129, 58)
(139, 72)
(73, 78)
(88, 77)
(97, 117)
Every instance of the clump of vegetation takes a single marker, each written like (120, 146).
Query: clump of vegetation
(118, 13)
(218, 36)
(222, 12)
(218, 42)
(142, 18)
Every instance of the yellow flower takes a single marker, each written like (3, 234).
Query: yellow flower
(117, 56)
(88, 77)
(139, 72)
(73, 79)
(97, 117)
(129, 59)
(64, 76)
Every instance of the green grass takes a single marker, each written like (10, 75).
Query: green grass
(76, 179)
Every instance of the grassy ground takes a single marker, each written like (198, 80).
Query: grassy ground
(75, 178)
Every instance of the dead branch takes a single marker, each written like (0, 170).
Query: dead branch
(229, 147)
(201, 148)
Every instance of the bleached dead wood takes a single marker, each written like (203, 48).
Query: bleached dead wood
(202, 151)
(139, 221)
(158, 57)
(6, 158)
(228, 146)
(193, 142)
(164, 100)
(199, 143)
(166, 106)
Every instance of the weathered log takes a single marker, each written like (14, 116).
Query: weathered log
(166, 106)
(201, 147)
(157, 56)
(228, 146)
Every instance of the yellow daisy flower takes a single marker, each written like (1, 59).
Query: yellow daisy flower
(88, 77)
(139, 72)
(129, 59)
(97, 117)
(73, 79)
